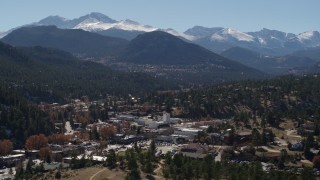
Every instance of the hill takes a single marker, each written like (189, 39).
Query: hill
(75, 41)
(273, 100)
(19, 117)
(269, 64)
(50, 75)
(169, 55)
(313, 53)
(162, 48)
(315, 68)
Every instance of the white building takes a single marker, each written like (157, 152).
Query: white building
(188, 132)
(166, 118)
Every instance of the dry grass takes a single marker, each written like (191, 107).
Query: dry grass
(87, 173)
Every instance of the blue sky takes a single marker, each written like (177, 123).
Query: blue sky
(245, 15)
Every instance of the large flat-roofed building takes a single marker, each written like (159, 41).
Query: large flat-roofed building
(189, 133)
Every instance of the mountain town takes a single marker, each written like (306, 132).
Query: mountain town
(97, 98)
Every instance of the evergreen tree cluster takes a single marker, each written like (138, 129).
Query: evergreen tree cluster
(19, 118)
(272, 100)
(49, 75)
(182, 167)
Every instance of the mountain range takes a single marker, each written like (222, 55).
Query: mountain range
(266, 41)
(183, 60)
(140, 45)
(217, 39)
(102, 24)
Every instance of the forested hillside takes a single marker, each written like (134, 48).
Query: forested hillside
(296, 97)
(51, 75)
(273, 65)
(75, 41)
(19, 118)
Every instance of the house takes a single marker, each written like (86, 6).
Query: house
(307, 128)
(215, 137)
(163, 138)
(33, 154)
(122, 139)
(244, 136)
(11, 160)
(297, 147)
(196, 151)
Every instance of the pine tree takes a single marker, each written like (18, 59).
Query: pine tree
(308, 144)
(153, 148)
(131, 159)
(29, 166)
(111, 159)
(134, 174)
(58, 175)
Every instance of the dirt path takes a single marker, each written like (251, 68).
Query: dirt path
(107, 174)
(92, 173)
(96, 174)
(157, 171)
(80, 174)
(290, 132)
(270, 150)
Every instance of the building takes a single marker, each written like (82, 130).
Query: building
(11, 160)
(167, 119)
(152, 124)
(196, 151)
(93, 158)
(188, 132)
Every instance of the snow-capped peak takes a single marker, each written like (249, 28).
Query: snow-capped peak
(100, 17)
(130, 25)
(308, 35)
(90, 20)
(228, 33)
(92, 24)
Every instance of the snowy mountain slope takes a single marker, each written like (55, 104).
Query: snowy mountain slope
(128, 25)
(311, 38)
(308, 35)
(229, 34)
(265, 41)
(2, 34)
(272, 38)
(97, 22)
